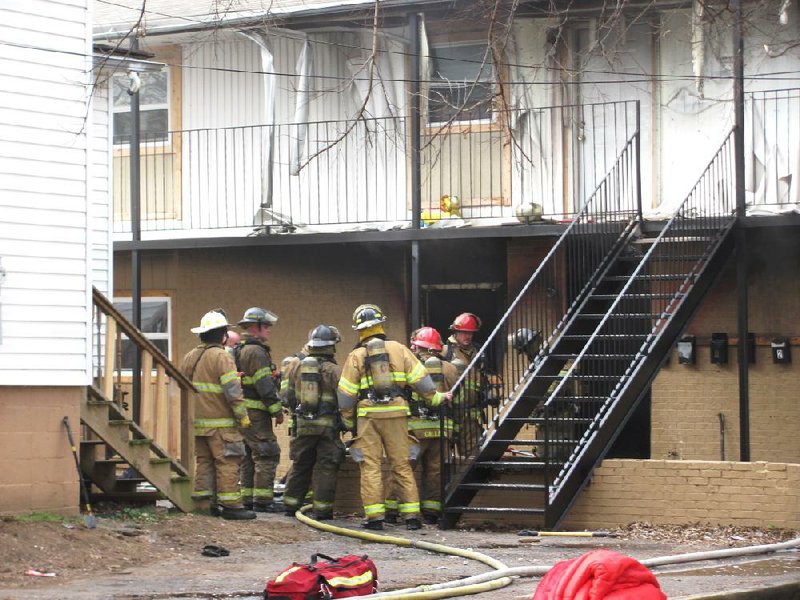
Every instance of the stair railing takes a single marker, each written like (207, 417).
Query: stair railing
(634, 321)
(166, 412)
(505, 361)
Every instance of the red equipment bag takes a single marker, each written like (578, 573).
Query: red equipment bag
(343, 577)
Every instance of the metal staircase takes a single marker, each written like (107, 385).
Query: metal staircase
(564, 386)
(117, 454)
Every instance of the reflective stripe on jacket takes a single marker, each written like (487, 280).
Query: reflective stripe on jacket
(218, 392)
(356, 382)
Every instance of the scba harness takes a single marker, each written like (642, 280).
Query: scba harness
(383, 388)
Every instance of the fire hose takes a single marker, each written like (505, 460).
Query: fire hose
(502, 575)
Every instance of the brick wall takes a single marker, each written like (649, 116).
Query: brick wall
(688, 399)
(304, 287)
(758, 494)
(37, 471)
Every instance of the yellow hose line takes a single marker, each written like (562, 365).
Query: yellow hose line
(423, 594)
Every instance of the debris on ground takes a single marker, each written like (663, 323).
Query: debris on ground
(699, 533)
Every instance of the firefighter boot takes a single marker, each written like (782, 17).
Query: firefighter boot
(237, 514)
(413, 524)
(376, 525)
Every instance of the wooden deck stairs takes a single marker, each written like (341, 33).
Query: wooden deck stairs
(118, 455)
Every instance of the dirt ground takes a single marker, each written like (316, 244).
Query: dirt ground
(139, 555)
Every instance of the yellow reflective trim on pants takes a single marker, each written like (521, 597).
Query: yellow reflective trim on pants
(431, 505)
(408, 507)
(363, 411)
(247, 491)
(254, 404)
(391, 505)
(291, 501)
(374, 509)
(262, 493)
(229, 497)
(201, 494)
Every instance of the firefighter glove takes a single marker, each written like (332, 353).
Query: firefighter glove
(244, 422)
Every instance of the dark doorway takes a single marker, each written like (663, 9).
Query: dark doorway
(442, 302)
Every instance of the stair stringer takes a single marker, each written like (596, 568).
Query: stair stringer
(527, 393)
(168, 476)
(610, 422)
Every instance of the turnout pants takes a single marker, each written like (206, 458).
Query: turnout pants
(389, 435)
(261, 460)
(323, 452)
(430, 463)
(218, 458)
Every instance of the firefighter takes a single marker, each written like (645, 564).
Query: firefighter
(427, 427)
(260, 383)
(316, 450)
(372, 384)
(219, 409)
(461, 350)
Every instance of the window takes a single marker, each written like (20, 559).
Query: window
(155, 326)
(462, 84)
(153, 107)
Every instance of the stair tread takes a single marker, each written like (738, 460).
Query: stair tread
(503, 486)
(535, 420)
(619, 315)
(596, 356)
(637, 296)
(490, 509)
(538, 442)
(513, 464)
(649, 277)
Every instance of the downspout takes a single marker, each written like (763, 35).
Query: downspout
(416, 191)
(741, 236)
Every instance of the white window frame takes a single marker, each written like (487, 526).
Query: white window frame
(490, 78)
(143, 108)
(155, 335)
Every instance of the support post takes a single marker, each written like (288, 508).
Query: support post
(136, 236)
(741, 236)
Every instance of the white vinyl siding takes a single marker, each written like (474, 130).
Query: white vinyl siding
(46, 227)
(102, 249)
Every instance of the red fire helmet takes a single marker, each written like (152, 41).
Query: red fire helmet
(466, 322)
(427, 337)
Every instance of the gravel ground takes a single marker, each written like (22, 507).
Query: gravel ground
(161, 560)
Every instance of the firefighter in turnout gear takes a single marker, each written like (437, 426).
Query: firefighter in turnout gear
(373, 405)
(460, 350)
(426, 425)
(219, 412)
(316, 450)
(260, 384)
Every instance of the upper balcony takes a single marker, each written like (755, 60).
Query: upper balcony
(367, 174)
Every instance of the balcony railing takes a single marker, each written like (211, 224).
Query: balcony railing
(772, 150)
(333, 175)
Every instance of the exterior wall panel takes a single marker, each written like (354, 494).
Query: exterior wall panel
(44, 213)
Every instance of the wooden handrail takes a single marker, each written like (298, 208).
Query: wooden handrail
(140, 340)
